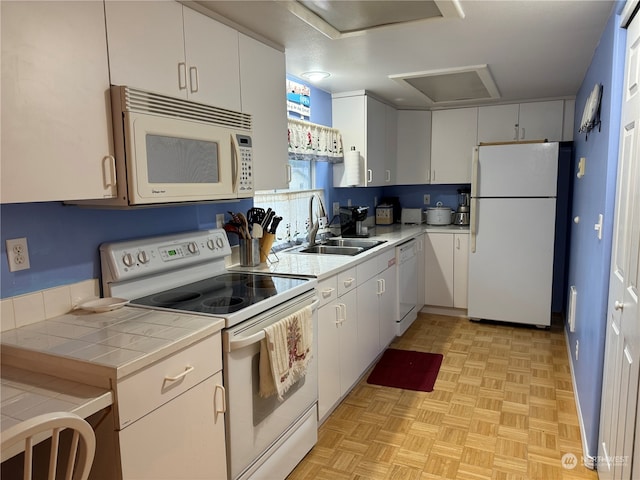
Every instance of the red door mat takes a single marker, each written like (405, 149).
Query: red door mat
(406, 369)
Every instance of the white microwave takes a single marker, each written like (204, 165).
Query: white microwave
(172, 150)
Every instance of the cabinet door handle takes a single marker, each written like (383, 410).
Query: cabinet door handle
(187, 371)
(109, 171)
(339, 320)
(218, 411)
(457, 243)
(515, 131)
(182, 76)
(369, 175)
(348, 281)
(343, 307)
(433, 175)
(288, 173)
(193, 79)
(388, 175)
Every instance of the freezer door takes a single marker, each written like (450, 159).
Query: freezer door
(511, 270)
(525, 170)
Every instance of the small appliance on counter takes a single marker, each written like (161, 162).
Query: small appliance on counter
(384, 214)
(439, 215)
(395, 203)
(412, 215)
(352, 222)
(461, 217)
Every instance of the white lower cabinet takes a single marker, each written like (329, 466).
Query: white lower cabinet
(446, 260)
(175, 428)
(337, 337)
(356, 321)
(421, 241)
(377, 296)
(183, 439)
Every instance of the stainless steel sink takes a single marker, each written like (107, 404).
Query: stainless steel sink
(332, 250)
(353, 242)
(340, 246)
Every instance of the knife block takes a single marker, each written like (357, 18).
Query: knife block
(266, 242)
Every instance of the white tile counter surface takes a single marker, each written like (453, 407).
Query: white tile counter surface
(323, 266)
(25, 394)
(119, 342)
(72, 361)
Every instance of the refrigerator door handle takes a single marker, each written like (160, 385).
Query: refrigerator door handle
(474, 199)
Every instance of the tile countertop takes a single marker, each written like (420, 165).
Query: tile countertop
(323, 266)
(99, 349)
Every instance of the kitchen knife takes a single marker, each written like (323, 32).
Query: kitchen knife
(267, 219)
(274, 224)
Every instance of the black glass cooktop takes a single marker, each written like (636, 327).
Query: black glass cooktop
(222, 294)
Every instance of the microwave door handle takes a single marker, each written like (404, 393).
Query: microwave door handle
(236, 163)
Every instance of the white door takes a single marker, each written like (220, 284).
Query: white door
(618, 417)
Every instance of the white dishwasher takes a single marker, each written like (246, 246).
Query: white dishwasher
(407, 278)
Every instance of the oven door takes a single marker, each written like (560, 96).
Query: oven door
(255, 424)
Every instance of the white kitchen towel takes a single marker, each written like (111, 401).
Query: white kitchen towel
(285, 353)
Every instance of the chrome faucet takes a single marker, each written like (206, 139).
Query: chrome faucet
(314, 225)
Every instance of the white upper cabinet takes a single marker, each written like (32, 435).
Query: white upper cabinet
(454, 134)
(413, 164)
(167, 48)
(363, 122)
(263, 83)
(56, 113)
(521, 122)
(391, 145)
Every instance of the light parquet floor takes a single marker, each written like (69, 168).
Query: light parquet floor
(502, 407)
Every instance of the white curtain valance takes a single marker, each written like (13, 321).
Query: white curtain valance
(312, 141)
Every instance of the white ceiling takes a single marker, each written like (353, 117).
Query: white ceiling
(534, 49)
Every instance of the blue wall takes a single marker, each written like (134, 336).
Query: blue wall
(594, 194)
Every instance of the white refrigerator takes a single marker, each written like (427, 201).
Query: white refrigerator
(512, 228)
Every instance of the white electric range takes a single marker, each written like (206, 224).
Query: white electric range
(186, 272)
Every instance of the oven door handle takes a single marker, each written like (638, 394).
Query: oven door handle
(258, 336)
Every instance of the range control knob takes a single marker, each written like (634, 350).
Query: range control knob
(210, 244)
(143, 257)
(193, 248)
(219, 242)
(127, 259)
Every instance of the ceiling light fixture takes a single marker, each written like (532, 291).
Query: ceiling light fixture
(315, 75)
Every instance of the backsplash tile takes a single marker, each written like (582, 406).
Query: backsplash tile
(28, 308)
(57, 301)
(7, 317)
(34, 307)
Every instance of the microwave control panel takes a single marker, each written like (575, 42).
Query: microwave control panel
(246, 165)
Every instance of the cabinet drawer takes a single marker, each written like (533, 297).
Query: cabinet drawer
(386, 259)
(140, 393)
(327, 290)
(368, 269)
(347, 281)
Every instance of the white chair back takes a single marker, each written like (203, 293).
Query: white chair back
(25, 435)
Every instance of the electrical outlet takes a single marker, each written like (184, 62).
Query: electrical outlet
(219, 220)
(427, 199)
(336, 208)
(18, 254)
